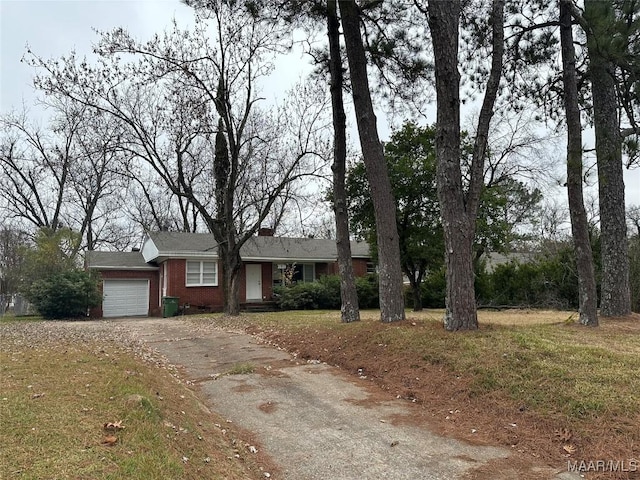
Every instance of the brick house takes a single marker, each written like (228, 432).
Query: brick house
(186, 266)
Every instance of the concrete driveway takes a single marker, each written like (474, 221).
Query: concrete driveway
(313, 420)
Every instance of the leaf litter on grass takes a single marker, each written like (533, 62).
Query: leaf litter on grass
(79, 425)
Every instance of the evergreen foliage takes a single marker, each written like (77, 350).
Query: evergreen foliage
(325, 294)
(66, 294)
(52, 280)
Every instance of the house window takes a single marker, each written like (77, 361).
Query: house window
(371, 268)
(202, 274)
(308, 272)
(292, 273)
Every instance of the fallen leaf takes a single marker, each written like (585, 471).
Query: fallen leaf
(114, 426)
(569, 449)
(563, 435)
(109, 440)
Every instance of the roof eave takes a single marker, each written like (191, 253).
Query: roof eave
(119, 267)
(286, 259)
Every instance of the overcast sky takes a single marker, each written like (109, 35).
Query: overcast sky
(55, 27)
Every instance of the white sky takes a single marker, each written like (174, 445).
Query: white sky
(53, 28)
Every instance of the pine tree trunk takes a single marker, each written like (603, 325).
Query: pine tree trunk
(459, 210)
(460, 304)
(389, 269)
(579, 224)
(348, 293)
(615, 290)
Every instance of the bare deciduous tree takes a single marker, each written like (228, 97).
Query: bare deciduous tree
(188, 103)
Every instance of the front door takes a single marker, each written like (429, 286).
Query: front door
(254, 282)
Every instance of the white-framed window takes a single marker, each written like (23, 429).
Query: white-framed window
(292, 273)
(201, 273)
(308, 272)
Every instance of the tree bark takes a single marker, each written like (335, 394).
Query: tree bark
(389, 269)
(459, 210)
(222, 227)
(231, 268)
(615, 290)
(349, 296)
(444, 17)
(579, 224)
(416, 292)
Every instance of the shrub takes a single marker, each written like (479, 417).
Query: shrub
(367, 288)
(306, 296)
(325, 294)
(434, 289)
(67, 294)
(331, 298)
(549, 282)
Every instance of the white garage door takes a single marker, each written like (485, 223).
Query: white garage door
(124, 298)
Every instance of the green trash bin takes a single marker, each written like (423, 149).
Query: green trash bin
(170, 306)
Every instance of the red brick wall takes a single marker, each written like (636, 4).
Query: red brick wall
(151, 275)
(360, 267)
(324, 269)
(199, 298)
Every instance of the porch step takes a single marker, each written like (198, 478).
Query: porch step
(258, 307)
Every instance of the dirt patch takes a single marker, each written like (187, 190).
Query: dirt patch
(267, 407)
(243, 388)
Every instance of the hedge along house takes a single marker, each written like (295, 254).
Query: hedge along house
(187, 266)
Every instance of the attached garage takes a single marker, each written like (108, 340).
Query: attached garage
(130, 286)
(124, 298)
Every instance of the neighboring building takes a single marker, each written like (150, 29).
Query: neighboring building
(494, 259)
(186, 266)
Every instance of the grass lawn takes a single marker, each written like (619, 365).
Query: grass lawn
(58, 389)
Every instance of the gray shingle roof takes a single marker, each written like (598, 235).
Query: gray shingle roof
(494, 259)
(117, 261)
(170, 242)
(265, 248)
